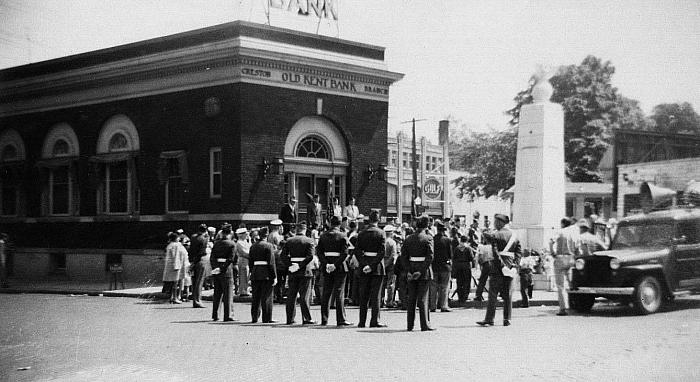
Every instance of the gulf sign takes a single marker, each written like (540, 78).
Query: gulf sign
(432, 188)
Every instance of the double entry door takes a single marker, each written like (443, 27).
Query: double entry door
(311, 184)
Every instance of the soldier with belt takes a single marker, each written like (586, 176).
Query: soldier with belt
(371, 244)
(197, 256)
(442, 270)
(264, 277)
(222, 260)
(297, 253)
(332, 251)
(416, 259)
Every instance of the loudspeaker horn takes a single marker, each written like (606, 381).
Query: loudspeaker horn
(654, 197)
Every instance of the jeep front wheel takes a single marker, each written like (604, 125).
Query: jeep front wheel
(648, 295)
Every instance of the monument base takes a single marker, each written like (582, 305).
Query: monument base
(534, 237)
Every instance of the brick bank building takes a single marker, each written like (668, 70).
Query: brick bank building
(102, 153)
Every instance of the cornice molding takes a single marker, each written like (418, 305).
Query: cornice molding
(189, 68)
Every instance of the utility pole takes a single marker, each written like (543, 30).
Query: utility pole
(414, 167)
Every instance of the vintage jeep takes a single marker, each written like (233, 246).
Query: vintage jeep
(654, 257)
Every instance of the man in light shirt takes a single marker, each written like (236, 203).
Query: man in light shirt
(564, 248)
(351, 210)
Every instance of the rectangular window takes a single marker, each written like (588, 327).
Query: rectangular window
(434, 165)
(8, 193)
(215, 172)
(60, 190)
(116, 188)
(405, 160)
(407, 196)
(174, 188)
(394, 154)
(427, 163)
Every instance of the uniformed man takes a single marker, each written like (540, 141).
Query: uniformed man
(442, 269)
(288, 214)
(297, 253)
(242, 253)
(416, 259)
(275, 238)
(222, 262)
(264, 277)
(332, 251)
(370, 256)
(197, 256)
(506, 253)
(588, 242)
(391, 253)
(462, 268)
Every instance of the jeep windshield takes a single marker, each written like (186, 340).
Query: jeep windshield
(642, 235)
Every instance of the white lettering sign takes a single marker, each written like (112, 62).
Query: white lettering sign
(318, 8)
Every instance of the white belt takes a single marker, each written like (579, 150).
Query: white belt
(260, 263)
(416, 259)
(297, 259)
(371, 254)
(332, 254)
(221, 260)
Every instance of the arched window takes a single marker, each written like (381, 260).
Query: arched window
(60, 195)
(313, 147)
(60, 148)
(118, 142)
(9, 153)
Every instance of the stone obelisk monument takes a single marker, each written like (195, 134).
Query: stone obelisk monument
(540, 190)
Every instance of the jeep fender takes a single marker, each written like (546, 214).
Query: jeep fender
(650, 269)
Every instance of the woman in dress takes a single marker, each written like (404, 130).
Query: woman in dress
(174, 269)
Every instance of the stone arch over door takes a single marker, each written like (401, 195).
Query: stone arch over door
(316, 161)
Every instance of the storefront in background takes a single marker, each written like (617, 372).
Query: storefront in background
(104, 152)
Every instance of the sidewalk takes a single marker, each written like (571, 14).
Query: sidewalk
(140, 290)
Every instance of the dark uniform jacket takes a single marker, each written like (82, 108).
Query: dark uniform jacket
(222, 256)
(419, 244)
(198, 248)
(296, 248)
(332, 241)
(443, 253)
(287, 214)
(262, 252)
(463, 255)
(499, 240)
(371, 240)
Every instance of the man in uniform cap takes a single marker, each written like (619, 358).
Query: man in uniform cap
(507, 253)
(442, 269)
(197, 256)
(264, 277)
(588, 242)
(275, 237)
(416, 259)
(297, 253)
(332, 251)
(390, 254)
(288, 214)
(222, 260)
(370, 256)
(242, 252)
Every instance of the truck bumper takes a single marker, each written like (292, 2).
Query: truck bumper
(627, 291)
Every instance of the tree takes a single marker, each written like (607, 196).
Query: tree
(592, 109)
(489, 158)
(676, 118)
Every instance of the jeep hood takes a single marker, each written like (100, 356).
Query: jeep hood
(634, 255)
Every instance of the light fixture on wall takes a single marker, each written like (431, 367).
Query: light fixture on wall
(276, 167)
(376, 173)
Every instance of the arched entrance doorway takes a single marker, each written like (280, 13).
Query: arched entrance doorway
(315, 162)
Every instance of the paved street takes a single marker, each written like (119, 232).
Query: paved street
(85, 338)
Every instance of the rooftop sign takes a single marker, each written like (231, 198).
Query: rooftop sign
(317, 8)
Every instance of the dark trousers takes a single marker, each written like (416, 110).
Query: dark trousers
(355, 286)
(223, 292)
(197, 283)
(525, 288)
(418, 294)
(370, 296)
(401, 286)
(318, 286)
(333, 286)
(298, 286)
(485, 269)
(463, 274)
(499, 284)
(262, 300)
(439, 290)
(279, 288)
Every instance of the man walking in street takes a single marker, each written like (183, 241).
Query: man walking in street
(462, 268)
(442, 269)
(264, 277)
(416, 259)
(370, 256)
(507, 249)
(563, 248)
(390, 255)
(242, 253)
(332, 251)
(222, 263)
(485, 256)
(197, 255)
(297, 253)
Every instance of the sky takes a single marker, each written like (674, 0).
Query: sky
(462, 59)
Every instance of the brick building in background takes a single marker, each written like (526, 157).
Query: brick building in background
(102, 153)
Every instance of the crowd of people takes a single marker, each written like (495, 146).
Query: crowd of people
(345, 258)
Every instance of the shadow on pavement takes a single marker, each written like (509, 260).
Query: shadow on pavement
(190, 322)
(383, 331)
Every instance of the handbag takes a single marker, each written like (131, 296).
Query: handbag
(506, 270)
